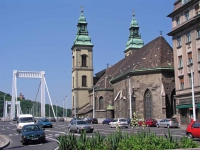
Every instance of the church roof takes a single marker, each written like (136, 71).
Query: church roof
(155, 56)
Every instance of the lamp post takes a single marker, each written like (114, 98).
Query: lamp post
(66, 106)
(93, 102)
(49, 110)
(193, 101)
(130, 95)
(4, 108)
(75, 106)
(63, 106)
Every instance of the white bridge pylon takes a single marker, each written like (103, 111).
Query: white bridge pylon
(29, 74)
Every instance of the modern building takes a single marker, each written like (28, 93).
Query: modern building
(141, 82)
(186, 50)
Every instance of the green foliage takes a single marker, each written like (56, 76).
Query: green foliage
(122, 141)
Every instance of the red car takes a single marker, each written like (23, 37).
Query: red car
(193, 129)
(148, 122)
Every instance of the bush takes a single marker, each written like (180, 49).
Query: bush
(122, 141)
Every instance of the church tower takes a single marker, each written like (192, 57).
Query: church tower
(134, 40)
(82, 66)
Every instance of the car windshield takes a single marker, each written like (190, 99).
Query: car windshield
(26, 119)
(31, 128)
(122, 120)
(81, 122)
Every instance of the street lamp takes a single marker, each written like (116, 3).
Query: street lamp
(56, 109)
(63, 106)
(66, 106)
(49, 110)
(93, 102)
(193, 101)
(4, 108)
(75, 106)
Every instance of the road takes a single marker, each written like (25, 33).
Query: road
(9, 129)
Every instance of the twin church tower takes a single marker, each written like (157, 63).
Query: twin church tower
(82, 61)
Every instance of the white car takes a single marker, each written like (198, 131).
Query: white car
(121, 123)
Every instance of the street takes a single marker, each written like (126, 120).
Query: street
(9, 129)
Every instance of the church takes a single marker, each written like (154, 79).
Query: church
(142, 81)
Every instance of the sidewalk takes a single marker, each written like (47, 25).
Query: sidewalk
(4, 141)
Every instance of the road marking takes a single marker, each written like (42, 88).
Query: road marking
(56, 141)
(35, 144)
(3, 129)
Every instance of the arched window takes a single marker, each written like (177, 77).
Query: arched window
(147, 104)
(84, 60)
(84, 81)
(101, 103)
(73, 61)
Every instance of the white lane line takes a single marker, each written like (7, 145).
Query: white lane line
(56, 131)
(54, 140)
(3, 129)
(16, 134)
(35, 145)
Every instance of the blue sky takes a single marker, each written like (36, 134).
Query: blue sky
(37, 35)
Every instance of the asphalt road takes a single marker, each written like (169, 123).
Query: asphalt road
(9, 129)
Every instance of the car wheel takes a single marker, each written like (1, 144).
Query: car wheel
(23, 142)
(157, 126)
(78, 130)
(91, 131)
(189, 135)
(168, 126)
(126, 127)
(110, 126)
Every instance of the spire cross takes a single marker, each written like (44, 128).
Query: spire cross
(161, 32)
(82, 8)
(133, 11)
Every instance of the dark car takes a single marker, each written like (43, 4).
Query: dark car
(44, 122)
(93, 120)
(193, 129)
(52, 119)
(107, 121)
(15, 118)
(32, 133)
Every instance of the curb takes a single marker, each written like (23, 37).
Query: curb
(7, 141)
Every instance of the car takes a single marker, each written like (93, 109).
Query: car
(87, 120)
(107, 121)
(193, 129)
(61, 119)
(24, 119)
(52, 119)
(15, 118)
(44, 122)
(93, 120)
(79, 125)
(148, 122)
(168, 123)
(32, 133)
(121, 123)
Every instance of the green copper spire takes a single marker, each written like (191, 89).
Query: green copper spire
(134, 39)
(82, 37)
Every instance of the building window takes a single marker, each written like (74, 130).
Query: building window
(178, 41)
(181, 83)
(190, 58)
(148, 104)
(101, 103)
(188, 37)
(84, 81)
(180, 61)
(196, 7)
(177, 21)
(73, 61)
(187, 17)
(198, 33)
(84, 60)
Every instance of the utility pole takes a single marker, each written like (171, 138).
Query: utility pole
(49, 110)
(56, 110)
(63, 106)
(4, 108)
(66, 106)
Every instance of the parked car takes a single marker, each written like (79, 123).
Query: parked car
(44, 122)
(61, 119)
(78, 125)
(121, 123)
(148, 122)
(168, 123)
(193, 129)
(32, 133)
(15, 118)
(87, 120)
(52, 119)
(128, 121)
(93, 120)
(107, 121)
